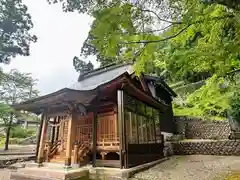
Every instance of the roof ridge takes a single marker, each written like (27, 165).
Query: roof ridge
(101, 70)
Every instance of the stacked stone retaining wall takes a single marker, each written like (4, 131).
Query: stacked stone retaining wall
(195, 128)
(207, 147)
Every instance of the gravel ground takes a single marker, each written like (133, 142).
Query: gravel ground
(182, 168)
(196, 167)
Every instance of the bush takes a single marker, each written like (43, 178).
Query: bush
(19, 132)
(31, 132)
(234, 111)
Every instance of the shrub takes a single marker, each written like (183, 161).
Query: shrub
(31, 132)
(234, 110)
(19, 132)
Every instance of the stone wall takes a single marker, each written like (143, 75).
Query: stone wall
(207, 147)
(195, 128)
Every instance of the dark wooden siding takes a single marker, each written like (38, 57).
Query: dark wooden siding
(143, 153)
(167, 123)
(163, 95)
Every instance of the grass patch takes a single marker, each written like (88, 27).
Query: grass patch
(233, 176)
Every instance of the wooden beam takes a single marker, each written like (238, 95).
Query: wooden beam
(42, 141)
(154, 125)
(120, 121)
(53, 130)
(39, 136)
(57, 129)
(143, 83)
(69, 141)
(94, 138)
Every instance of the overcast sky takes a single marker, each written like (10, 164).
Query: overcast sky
(60, 37)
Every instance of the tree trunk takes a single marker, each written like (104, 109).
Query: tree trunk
(8, 133)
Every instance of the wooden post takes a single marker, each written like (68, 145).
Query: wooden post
(69, 142)
(75, 154)
(61, 128)
(116, 124)
(39, 136)
(42, 140)
(57, 129)
(120, 121)
(94, 138)
(53, 130)
(48, 151)
(154, 125)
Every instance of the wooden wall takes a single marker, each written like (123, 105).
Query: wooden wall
(106, 128)
(143, 153)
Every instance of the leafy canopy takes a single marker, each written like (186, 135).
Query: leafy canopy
(15, 26)
(181, 40)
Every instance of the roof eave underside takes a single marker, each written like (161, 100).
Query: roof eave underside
(162, 83)
(60, 98)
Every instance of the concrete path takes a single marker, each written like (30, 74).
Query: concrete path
(196, 167)
(18, 149)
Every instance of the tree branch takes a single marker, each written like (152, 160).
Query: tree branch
(161, 19)
(178, 33)
(155, 41)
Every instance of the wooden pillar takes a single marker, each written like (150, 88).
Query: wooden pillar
(75, 153)
(122, 152)
(69, 141)
(42, 140)
(116, 124)
(53, 130)
(154, 125)
(57, 129)
(39, 133)
(94, 138)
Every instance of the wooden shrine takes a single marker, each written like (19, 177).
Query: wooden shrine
(109, 122)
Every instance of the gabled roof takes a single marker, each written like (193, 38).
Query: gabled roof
(86, 89)
(161, 82)
(97, 77)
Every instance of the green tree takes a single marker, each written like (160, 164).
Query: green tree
(14, 88)
(81, 66)
(15, 26)
(181, 40)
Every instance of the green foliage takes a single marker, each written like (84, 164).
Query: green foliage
(211, 100)
(81, 66)
(19, 132)
(16, 87)
(5, 112)
(234, 111)
(15, 25)
(181, 40)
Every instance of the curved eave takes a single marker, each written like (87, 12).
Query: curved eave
(60, 98)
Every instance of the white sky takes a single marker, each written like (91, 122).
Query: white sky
(60, 37)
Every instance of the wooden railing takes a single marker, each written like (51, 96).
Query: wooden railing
(51, 149)
(79, 152)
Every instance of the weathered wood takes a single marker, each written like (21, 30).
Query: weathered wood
(42, 141)
(143, 84)
(109, 163)
(120, 122)
(53, 130)
(143, 153)
(75, 154)
(69, 142)
(39, 136)
(94, 138)
(57, 130)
